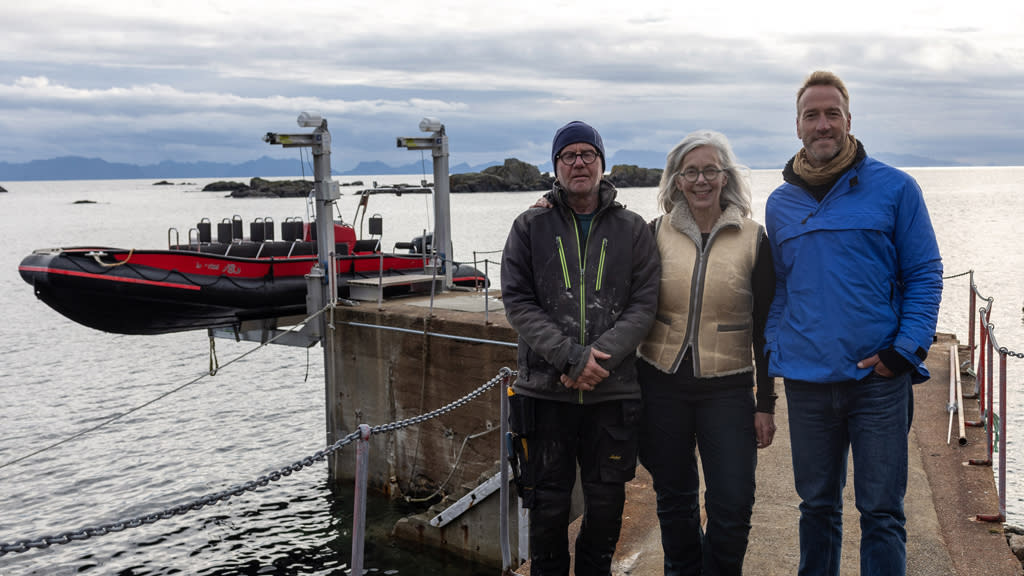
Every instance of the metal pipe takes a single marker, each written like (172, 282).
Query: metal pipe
(359, 506)
(434, 334)
(955, 354)
(951, 404)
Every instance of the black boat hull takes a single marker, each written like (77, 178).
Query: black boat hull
(164, 291)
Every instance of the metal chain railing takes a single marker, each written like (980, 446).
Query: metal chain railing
(986, 387)
(224, 495)
(950, 277)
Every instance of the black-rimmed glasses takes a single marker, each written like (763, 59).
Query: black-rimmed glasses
(569, 158)
(691, 174)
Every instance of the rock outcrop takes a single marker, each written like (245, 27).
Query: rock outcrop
(630, 176)
(512, 176)
(260, 188)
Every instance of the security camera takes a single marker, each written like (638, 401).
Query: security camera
(310, 120)
(430, 124)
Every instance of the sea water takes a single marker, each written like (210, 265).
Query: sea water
(178, 434)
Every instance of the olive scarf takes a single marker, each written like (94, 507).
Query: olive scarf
(829, 172)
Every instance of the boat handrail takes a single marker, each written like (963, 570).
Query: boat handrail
(198, 242)
(177, 237)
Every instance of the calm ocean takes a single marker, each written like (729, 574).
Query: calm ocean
(266, 411)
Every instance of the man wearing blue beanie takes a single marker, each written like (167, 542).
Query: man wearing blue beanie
(573, 132)
(579, 283)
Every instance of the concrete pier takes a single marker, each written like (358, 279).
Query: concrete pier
(944, 495)
(403, 358)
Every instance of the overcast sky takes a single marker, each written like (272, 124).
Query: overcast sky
(143, 81)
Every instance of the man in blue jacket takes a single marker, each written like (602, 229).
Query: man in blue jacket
(580, 285)
(859, 280)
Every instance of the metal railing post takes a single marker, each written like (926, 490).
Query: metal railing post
(989, 389)
(1002, 436)
(972, 302)
(359, 504)
(979, 378)
(487, 292)
(380, 280)
(506, 554)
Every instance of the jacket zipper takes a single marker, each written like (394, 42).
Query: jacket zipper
(565, 267)
(581, 252)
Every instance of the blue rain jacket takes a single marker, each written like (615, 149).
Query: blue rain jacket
(857, 273)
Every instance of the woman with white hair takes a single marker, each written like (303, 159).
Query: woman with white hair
(702, 360)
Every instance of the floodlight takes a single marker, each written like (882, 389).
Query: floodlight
(310, 120)
(430, 124)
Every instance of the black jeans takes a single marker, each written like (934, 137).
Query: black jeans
(603, 439)
(716, 416)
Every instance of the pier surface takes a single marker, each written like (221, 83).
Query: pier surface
(944, 494)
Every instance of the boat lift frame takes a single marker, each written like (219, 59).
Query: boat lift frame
(437, 143)
(327, 192)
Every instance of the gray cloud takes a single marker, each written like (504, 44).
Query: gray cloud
(204, 81)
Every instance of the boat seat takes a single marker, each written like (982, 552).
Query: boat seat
(303, 248)
(369, 245)
(243, 249)
(203, 247)
(276, 249)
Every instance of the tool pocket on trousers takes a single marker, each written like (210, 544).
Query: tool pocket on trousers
(620, 444)
(520, 425)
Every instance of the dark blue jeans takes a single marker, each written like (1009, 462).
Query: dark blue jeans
(678, 419)
(872, 416)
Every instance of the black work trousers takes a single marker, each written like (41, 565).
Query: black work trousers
(603, 438)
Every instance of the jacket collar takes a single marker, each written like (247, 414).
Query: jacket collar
(682, 220)
(606, 196)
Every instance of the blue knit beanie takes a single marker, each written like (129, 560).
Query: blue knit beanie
(572, 133)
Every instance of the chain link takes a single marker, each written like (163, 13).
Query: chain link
(957, 275)
(225, 495)
(1011, 353)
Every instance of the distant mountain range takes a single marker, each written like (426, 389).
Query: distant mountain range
(79, 168)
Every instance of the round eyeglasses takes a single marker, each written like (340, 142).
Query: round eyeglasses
(691, 174)
(569, 158)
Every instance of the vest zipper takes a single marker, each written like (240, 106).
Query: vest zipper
(698, 297)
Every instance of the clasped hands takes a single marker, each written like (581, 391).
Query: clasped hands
(592, 373)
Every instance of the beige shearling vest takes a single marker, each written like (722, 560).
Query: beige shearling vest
(705, 302)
